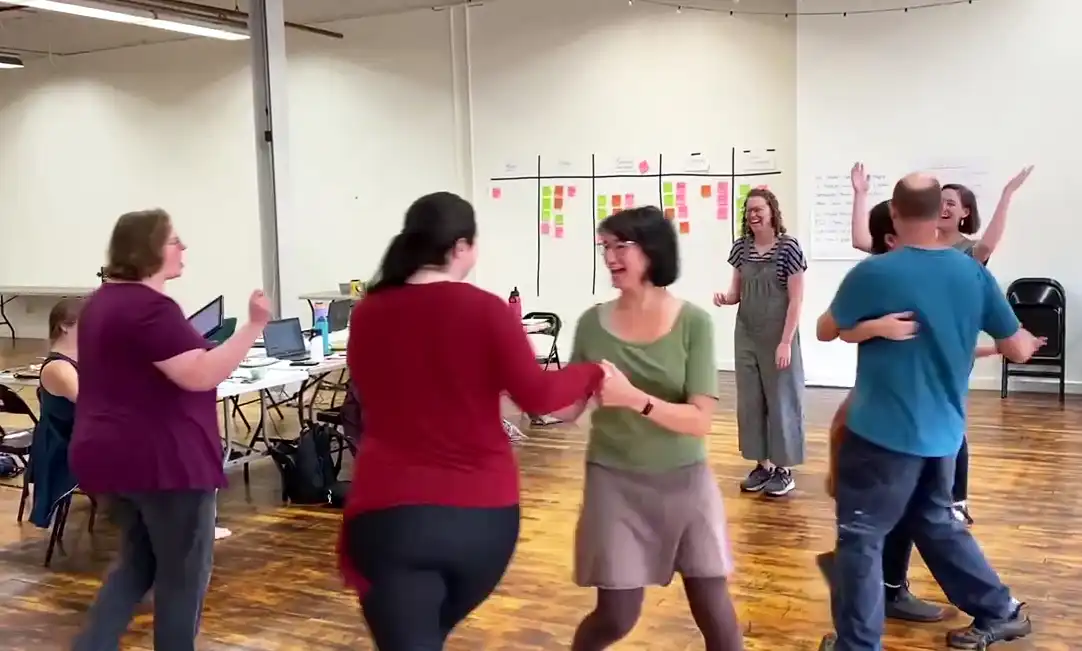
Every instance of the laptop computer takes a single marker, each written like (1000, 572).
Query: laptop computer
(208, 319)
(284, 340)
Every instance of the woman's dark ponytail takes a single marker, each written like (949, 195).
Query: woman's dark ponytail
(434, 225)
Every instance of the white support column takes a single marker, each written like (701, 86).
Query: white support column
(267, 27)
(462, 88)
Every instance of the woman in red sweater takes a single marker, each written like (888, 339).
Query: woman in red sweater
(433, 516)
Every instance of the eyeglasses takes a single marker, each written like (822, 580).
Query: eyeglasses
(613, 247)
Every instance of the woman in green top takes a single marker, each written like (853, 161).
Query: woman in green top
(651, 506)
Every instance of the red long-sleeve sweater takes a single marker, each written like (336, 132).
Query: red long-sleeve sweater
(430, 363)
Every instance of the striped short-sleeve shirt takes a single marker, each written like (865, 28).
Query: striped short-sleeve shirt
(787, 254)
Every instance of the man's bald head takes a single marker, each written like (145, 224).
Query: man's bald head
(916, 196)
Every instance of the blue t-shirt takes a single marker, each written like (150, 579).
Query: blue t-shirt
(910, 395)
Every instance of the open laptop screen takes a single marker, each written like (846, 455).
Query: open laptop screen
(284, 338)
(208, 319)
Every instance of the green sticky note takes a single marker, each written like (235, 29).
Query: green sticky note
(546, 215)
(602, 213)
(669, 201)
(602, 201)
(546, 191)
(668, 187)
(546, 203)
(559, 220)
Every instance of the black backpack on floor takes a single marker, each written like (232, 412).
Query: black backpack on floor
(310, 466)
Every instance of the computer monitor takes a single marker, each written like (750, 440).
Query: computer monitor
(338, 315)
(283, 339)
(208, 319)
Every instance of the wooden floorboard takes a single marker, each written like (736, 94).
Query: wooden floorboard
(276, 588)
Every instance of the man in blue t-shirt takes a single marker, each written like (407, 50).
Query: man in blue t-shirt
(906, 424)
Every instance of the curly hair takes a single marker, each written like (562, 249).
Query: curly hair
(775, 211)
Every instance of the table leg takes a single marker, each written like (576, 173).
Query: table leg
(4, 320)
(222, 532)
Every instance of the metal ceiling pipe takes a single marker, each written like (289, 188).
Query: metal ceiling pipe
(230, 17)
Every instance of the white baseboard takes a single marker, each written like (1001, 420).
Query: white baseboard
(1024, 385)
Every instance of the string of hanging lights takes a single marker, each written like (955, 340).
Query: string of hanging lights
(735, 8)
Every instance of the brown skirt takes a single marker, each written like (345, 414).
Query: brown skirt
(638, 529)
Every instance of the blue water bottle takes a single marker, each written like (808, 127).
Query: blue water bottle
(323, 328)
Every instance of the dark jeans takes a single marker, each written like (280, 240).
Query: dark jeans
(897, 550)
(960, 491)
(876, 490)
(428, 567)
(166, 543)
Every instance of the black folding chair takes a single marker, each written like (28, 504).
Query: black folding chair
(1041, 306)
(552, 330)
(16, 442)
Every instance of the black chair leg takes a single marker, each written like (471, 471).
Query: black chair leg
(25, 497)
(1003, 381)
(237, 412)
(556, 356)
(93, 515)
(1063, 383)
(60, 520)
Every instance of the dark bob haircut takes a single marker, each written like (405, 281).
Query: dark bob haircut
(655, 235)
(971, 223)
(880, 226)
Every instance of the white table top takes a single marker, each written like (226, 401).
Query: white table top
(326, 295)
(29, 290)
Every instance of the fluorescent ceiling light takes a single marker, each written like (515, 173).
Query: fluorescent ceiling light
(8, 61)
(104, 12)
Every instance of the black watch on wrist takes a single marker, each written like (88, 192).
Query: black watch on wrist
(648, 408)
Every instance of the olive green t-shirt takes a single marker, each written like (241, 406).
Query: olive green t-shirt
(678, 365)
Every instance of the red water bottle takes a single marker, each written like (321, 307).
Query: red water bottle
(514, 301)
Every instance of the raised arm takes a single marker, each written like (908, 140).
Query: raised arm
(533, 389)
(181, 354)
(998, 226)
(860, 233)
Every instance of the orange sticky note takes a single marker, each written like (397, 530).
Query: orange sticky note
(559, 232)
(572, 191)
(670, 213)
(497, 193)
(616, 201)
(705, 191)
(685, 228)
(559, 190)
(545, 226)
(558, 202)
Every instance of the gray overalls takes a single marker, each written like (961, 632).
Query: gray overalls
(769, 402)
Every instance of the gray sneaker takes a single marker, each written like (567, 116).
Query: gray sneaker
(780, 483)
(756, 480)
(828, 642)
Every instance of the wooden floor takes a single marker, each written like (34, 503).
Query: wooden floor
(275, 585)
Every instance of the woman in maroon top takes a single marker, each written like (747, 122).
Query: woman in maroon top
(146, 433)
(433, 516)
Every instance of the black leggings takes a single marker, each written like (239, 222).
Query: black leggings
(618, 610)
(961, 473)
(428, 567)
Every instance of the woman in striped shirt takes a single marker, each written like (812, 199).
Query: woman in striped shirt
(768, 284)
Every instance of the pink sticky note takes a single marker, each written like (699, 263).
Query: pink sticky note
(723, 188)
(572, 191)
(682, 212)
(681, 188)
(644, 167)
(497, 193)
(545, 228)
(559, 232)
(629, 200)
(723, 213)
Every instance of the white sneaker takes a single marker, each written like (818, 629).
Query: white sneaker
(221, 532)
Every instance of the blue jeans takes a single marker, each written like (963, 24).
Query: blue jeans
(878, 489)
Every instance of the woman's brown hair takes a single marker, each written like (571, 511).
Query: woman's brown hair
(136, 245)
(64, 316)
(775, 211)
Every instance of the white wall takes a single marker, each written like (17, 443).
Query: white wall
(85, 139)
(986, 80)
(566, 78)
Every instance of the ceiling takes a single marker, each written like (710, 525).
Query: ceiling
(32, 33)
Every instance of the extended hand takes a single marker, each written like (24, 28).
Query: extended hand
(259, 311)
(616, 389)
(899, 326)
(1020, 178)
(861, 180)
(783, 355)
(723, 299)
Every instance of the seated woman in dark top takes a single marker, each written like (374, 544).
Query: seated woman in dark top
(57, 391)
